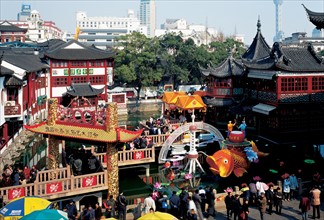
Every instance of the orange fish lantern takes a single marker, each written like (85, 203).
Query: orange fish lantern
(226, 161)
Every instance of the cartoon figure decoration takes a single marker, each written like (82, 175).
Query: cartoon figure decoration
(235, 157)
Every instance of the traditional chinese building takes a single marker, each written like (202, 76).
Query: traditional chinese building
(317, 18)
(225, 86)
(82, 123)
(284, 91)
(79, 70)
(10, 32)
(23, 80)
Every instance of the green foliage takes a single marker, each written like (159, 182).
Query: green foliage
(143, 62)
(321, 53)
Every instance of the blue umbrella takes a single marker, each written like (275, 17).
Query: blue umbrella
(23, 206)
(48, 214)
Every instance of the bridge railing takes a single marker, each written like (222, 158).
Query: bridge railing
(54, 188)
(130, 157)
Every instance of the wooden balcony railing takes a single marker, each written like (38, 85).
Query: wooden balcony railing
(51, 184)
(12, 110)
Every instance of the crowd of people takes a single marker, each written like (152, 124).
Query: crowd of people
(15, 175)
(268, 199)
(189, 205)
(83, 162)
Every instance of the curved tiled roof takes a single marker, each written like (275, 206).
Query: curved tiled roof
(229, 67)
(301, 58)
(74, 50)
(316, 18)
(8, 27)
(259, 49)
(83, 89)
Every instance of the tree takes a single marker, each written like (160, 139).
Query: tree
(136, 62)
(171, 44)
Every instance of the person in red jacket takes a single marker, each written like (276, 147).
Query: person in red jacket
(304, 206)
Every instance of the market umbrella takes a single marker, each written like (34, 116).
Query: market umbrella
(48, 214)
(23, 206)
(157, 216)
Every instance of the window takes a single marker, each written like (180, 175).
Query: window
(97, 80)
(12, 94)
(318, 83)
(79, 79)
(294, 84)
(60, 81)
(78, 63)
(59, 64)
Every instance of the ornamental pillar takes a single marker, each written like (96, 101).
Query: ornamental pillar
(112, 151)
(53, 143)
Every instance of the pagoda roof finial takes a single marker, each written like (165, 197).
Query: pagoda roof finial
(259, 24)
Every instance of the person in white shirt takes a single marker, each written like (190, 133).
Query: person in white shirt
(259, 187)
(148, 204)
(191, 204)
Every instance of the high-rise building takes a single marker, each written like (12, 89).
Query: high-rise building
(102, 31)
(148, 16)
(279, 33)
(24, 14)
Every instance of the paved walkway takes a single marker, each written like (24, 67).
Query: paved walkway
(289, 211)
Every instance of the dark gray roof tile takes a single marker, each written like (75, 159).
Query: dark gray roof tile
(74, 50)
(83, 89)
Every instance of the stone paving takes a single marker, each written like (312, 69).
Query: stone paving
(289, 211)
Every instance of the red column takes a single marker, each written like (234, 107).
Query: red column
(5, 131)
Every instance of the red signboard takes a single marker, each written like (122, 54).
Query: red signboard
(89, 181)
(138, 155)
(16, 193)
(53, 187)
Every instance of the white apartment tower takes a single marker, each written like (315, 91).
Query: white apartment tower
(148, 16)
(102, 31)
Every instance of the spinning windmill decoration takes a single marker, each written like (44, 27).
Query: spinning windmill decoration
(192, 102)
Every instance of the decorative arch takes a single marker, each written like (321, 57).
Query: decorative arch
(183, 129)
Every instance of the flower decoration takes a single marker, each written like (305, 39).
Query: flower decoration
(256, 178)
(167, 164)
(176, 163)
(188, 176)
(228, 189)
(157, 185)
(281, 163)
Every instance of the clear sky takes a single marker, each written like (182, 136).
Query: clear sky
(226, 16)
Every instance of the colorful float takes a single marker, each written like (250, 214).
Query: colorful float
(235, 156)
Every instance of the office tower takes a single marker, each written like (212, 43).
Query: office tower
(148, 16)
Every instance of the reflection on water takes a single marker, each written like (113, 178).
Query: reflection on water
(140, 112)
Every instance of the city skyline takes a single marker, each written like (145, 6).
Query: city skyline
(226, 16)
